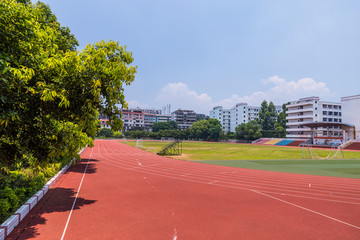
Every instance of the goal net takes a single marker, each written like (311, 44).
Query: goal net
(139, 143)
(313, 152)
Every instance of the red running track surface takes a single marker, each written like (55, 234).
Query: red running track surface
(125, 193)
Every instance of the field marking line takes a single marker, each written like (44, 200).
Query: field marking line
(179, 177)
(263, 181)
(249, 185)
(256, 176)
(78, 191)
(307, 209)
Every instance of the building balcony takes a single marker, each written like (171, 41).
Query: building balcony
(298, 136)
(298, 129)
(307, 109)
(308, 116)
(293, 123)
(291, 105)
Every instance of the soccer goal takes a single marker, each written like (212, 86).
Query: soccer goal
(310, 151)
(139, 143)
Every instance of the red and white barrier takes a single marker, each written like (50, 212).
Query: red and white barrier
(2, 234)
(19, 215)
(22, 211)
(31, 202)
(10, 224)
(39, 195)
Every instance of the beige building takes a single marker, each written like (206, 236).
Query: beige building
(312, 110)
(351, 113)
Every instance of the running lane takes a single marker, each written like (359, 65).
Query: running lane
(120, 192)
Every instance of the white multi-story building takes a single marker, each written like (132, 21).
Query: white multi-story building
(223, 115)
(138, 118)
(351, 113)
(162, 118)
(307, 110)
(240, 113)
(184, 118)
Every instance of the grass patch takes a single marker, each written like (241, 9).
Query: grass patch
(333, 168)
(195, 151)
(270, 158)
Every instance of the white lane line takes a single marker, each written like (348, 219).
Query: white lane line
(78, 191)
(215, 181)
(244, 186)
(307, 209)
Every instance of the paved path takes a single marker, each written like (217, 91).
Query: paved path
(120, 192)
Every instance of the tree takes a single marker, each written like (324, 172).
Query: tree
(206, 129)
(215, 129)
(172, 125)
(51, 94)
(200, 129)
(267, 116)
(280, 132)
(248, 131)
(281, 117)
(105, 132)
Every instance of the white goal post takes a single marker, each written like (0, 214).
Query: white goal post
(335, 152)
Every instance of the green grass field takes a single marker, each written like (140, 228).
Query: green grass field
(272, 158)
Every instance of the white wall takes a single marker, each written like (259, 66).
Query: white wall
(351, 112)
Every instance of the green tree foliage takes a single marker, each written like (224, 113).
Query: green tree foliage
(51, 94)
(248, 131)
(171, 125)
(206, 129)
(281, 117)
(105, 132)
(267, 115)
(280, 132)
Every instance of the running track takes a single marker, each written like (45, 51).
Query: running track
(120, 192)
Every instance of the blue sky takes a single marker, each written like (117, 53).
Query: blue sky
(197, 54)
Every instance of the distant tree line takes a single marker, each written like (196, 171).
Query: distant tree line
(268, 124)
(201, 130)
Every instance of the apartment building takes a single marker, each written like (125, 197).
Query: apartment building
(223, 115)
(104, 123)
(311, 109)
(184, 118)
(200, 116)
(351, 114)
(162, 118)
(133, 119)
(240, 113)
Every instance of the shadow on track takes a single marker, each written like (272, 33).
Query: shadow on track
(57, 199)
(79, 167)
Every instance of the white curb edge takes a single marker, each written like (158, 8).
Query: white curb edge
(9, 225)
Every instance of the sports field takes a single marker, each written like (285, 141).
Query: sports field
(120, 192)
(271, 158)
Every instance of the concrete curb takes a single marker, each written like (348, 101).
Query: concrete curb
(9, 225)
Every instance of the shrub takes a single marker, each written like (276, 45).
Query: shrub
(9, 195)
(4, 209)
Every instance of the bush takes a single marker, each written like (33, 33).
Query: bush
(9, 194)
(105, 132)
(20, 184)
(4, 209)
(117, 135)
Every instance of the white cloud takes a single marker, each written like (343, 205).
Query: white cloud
(282, 91)
(136, 104)
(179, 95)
